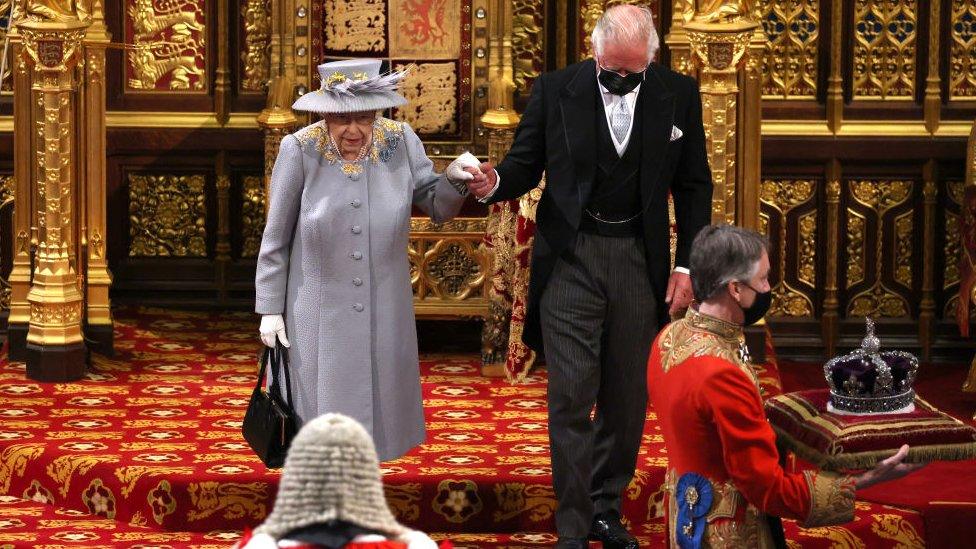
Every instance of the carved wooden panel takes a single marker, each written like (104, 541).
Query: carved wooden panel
(448, 271)
(885, 46)
(253, 212)
(788, 216)
(434, 39)
(879, 240)
(962, 50)
(528, 41)
(255, 54)
(951, 245)
(789, 65)
(167, 216)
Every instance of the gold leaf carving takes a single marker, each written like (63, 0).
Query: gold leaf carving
(789, 65)
(252, 215)
(528, 28)
(951, 250)
(903, 248)
(170, 45)
(257, 44)
(355, 25)
(431, 92)
(453, 269)
(167, 215)
(236, 500)
(880, 196)
(855, 247)
(885, 34)
(13, 462)
(962, 50)
(782, 197)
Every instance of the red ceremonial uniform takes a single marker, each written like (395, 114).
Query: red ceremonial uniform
(706, 396)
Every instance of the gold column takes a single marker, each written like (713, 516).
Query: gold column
(500, 119)
(677, 39)
(20, 273)
(222, 74)
(933, 99)
(829, 320)
(720, 38)
(98, 315)
(277, 119)
(835, 83)
(55, 346)
(749, 144)
(926, 317)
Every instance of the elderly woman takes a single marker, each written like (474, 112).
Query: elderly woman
(333, 272)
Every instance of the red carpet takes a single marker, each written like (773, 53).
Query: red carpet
(150, 444)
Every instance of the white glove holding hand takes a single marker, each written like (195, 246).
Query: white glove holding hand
(273, 326)
(455, 170)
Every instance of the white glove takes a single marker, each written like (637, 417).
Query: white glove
(273, 326)
(455, 170)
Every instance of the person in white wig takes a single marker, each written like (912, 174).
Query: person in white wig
(333, 278)
(331, 495)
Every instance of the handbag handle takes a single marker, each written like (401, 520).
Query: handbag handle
(279, 357)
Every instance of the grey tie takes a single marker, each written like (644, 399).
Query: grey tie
(620, 119)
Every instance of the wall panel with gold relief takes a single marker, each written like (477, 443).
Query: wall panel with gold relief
(881, 247)
(789, 216)
(443, 43)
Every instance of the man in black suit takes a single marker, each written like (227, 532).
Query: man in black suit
(615, 135)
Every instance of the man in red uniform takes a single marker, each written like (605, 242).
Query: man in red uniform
(724, 470)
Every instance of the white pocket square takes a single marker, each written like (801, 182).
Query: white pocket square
(676, 133)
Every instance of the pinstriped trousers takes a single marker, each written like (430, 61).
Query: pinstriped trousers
(598, 322)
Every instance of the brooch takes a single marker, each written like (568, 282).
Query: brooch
(694, 493)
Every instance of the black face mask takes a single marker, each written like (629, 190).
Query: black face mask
(620, 85)
(755, 312)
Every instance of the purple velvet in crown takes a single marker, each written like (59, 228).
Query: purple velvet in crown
(868, 381)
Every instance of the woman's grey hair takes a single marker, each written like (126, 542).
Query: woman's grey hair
(721, 254)
(623, 24)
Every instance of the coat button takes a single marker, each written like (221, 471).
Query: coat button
(356, 255)
(357, 281)
(356, 229)
(358, 307)
(356, 203)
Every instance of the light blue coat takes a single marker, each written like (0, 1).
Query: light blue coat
(334, 262)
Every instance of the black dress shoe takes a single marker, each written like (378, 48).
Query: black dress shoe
(607, 529)
(572, 543)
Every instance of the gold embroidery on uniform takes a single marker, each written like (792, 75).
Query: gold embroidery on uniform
(831, 498)
(703, 335)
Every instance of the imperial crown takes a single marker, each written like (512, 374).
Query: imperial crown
(867, 381)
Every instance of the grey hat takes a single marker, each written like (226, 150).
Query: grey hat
(353, 85)
(331, 473)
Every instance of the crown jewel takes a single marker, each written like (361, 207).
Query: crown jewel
(868, 381)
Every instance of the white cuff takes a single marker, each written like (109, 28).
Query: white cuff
(498, 180)
(682, 270)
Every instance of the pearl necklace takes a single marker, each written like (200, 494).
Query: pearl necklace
(355, 166)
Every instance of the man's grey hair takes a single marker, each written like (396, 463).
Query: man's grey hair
(626, 24)
(721, 254)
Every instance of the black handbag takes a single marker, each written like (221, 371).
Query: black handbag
(270, 422)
